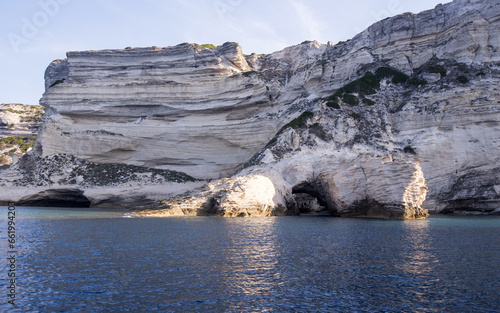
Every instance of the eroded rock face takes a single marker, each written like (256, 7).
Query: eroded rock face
(70, 197)
(251, 195)
(184, 108)
(205, 111)
(370, 187)
(356, 125)
(18, 128)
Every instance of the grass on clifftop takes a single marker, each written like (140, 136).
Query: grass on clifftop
(29, 113)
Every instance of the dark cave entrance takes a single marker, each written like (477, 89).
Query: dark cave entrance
(310, 199)
(68, 198)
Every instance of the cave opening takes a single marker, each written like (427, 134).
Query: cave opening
(310, 199)
(66, 197)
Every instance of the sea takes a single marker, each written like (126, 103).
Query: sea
(96, 260)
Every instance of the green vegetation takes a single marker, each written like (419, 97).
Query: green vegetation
(438, 69)
(463, 67)
(198, 46)
(333, 104)
(296, 123)
(368, 84)
(12, 151)
(463, 79)
(36, 110)
(368, 101)
(11, 110)
(35, 119)
(305, 41)
(355, 115)
(397, 76)
(204, 46)
(300, 121)
(417, 82)
(365, 85)
(350, 99)
(409, 149)
(24, 143)
(207, 46)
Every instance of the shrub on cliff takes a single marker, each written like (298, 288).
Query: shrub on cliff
(397, 76)
(368, 101)
(205, 46)
(438, 69)
(333, 104)
(300, 121)
(409, 149)
(368, 84)
(24, 143)
(350, 99)
(417, 82)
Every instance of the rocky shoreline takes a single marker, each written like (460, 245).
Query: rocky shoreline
(399, 122)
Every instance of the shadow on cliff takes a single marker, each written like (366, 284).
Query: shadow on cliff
(68, 197)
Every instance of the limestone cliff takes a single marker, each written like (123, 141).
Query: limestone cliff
(185, 108)
(409, 108)
(18, 128)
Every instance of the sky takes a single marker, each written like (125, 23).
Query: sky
(33, 33)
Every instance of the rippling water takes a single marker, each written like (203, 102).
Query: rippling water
(99, 261)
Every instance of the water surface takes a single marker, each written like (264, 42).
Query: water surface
(102, 261)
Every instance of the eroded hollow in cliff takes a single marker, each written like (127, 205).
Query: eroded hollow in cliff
(310, 199)
(67, 197)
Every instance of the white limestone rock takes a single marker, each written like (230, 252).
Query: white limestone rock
(20, 122)
(370, 187)
(207, 112)
(183, 108)
(264, 194)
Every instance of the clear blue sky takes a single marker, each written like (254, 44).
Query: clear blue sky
(35, 32)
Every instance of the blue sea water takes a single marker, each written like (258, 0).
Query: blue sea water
(101, 261)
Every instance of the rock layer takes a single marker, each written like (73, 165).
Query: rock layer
(18, 128)
(371, 187)
(184, 108)
(356, 125)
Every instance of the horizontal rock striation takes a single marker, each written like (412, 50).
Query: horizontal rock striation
(352, 128)
(18, 128)
(183, 108)
(371, 187)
